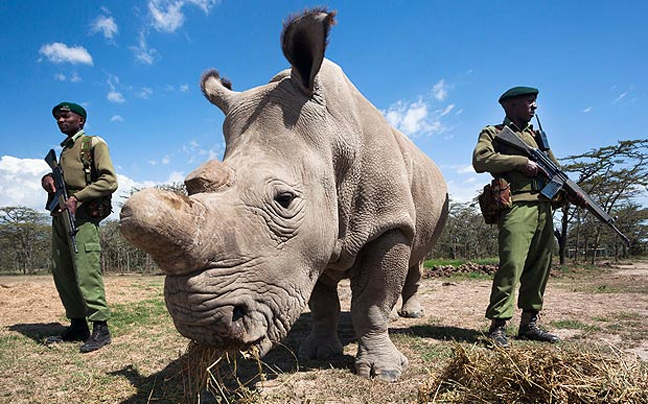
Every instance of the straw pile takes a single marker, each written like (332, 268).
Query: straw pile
(545, 375)
(209, 371)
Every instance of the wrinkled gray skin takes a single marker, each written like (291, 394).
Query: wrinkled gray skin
(315, 186)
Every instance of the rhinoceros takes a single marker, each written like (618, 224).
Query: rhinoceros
(315, 186)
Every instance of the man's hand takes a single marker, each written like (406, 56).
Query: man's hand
(577, 199)
(48, 184)
(71, 204)
(532, 169)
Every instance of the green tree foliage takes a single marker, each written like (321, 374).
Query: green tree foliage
(25, 237)
(614, 176)
(465, 235)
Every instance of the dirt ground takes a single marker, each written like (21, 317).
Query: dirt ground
(609, 308)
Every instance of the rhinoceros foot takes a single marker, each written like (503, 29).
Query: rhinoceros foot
(320, 347)
(380, 360)
(411, 308)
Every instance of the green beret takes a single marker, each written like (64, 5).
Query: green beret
(517, 92)
(70, 107)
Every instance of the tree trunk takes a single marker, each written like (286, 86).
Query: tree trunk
(562, 235)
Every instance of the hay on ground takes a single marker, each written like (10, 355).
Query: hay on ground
(546, 374)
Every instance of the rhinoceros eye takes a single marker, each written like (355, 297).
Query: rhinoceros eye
(284, 199)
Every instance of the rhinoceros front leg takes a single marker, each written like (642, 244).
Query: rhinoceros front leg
(375, 288)
(411, 307)
(323, 341)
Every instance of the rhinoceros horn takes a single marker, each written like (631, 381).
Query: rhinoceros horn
(165, 223)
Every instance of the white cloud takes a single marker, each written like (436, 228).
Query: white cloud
(468, 169)
(419, 118)
(144, 54)
(175, 176)
(75, 78)
(60, 53)
(20, 182)
(145, 93)
(620, 97)
(447, 110)
(467, 190)
(166, 160)
(184, 88)
(439, 90)
(115, 96)
(413, 119)
(167, 15)
(588, 109)
(106, 25)
(116, 118)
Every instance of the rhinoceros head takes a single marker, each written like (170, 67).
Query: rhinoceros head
(243, 250)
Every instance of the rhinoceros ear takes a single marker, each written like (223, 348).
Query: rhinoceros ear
(217, 89)
(303, 41)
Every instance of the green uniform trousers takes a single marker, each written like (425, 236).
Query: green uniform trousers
(525, 251)
(78, 276)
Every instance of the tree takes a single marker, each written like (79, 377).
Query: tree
(25, 238)
(465, 234)
(613, 176)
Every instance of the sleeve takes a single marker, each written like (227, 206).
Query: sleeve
(106, 182)
(487, 159)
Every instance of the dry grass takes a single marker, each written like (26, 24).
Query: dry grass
(149, 362)
(538, 375)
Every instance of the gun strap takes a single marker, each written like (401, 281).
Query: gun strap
(86, 158)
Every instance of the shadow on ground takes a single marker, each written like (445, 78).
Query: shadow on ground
(235, 374)
(441, 333)
(38, 331)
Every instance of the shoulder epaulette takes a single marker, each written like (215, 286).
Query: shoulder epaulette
(86, 156)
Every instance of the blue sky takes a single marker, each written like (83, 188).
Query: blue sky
(435, 68)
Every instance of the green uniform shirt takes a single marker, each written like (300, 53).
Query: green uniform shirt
(506, 162)
(105, 182)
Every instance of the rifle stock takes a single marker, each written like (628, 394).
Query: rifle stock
(57, 200)
(557, 178)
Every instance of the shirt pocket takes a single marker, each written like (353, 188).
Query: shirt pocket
(92, 247)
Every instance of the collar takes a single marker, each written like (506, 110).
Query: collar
(515, 128)
(69, 141)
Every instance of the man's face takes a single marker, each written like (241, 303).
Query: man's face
(521, 109)
(69, 122)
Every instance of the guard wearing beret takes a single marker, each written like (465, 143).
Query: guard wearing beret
(525, 228)
(90, 180)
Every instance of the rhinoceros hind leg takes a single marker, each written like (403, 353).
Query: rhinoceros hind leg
(411, 307)
(323, 342)
(375, 285)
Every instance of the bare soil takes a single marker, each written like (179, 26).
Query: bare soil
(608, 307)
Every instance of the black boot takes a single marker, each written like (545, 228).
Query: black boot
(77, 331)
(529, 329)
(497, 334)
(100, 337)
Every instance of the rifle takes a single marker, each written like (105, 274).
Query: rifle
(57, 200)
(557, 179)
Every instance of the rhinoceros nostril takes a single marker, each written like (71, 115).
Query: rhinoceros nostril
(238, 313)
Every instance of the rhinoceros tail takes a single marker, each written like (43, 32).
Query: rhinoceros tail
(217, 89)
(303, 41)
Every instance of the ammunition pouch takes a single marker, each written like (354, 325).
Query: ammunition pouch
(99, 208)
(495, 198)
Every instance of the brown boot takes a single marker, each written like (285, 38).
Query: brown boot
(529, 329)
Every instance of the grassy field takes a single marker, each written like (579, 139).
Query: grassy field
(593, 310)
